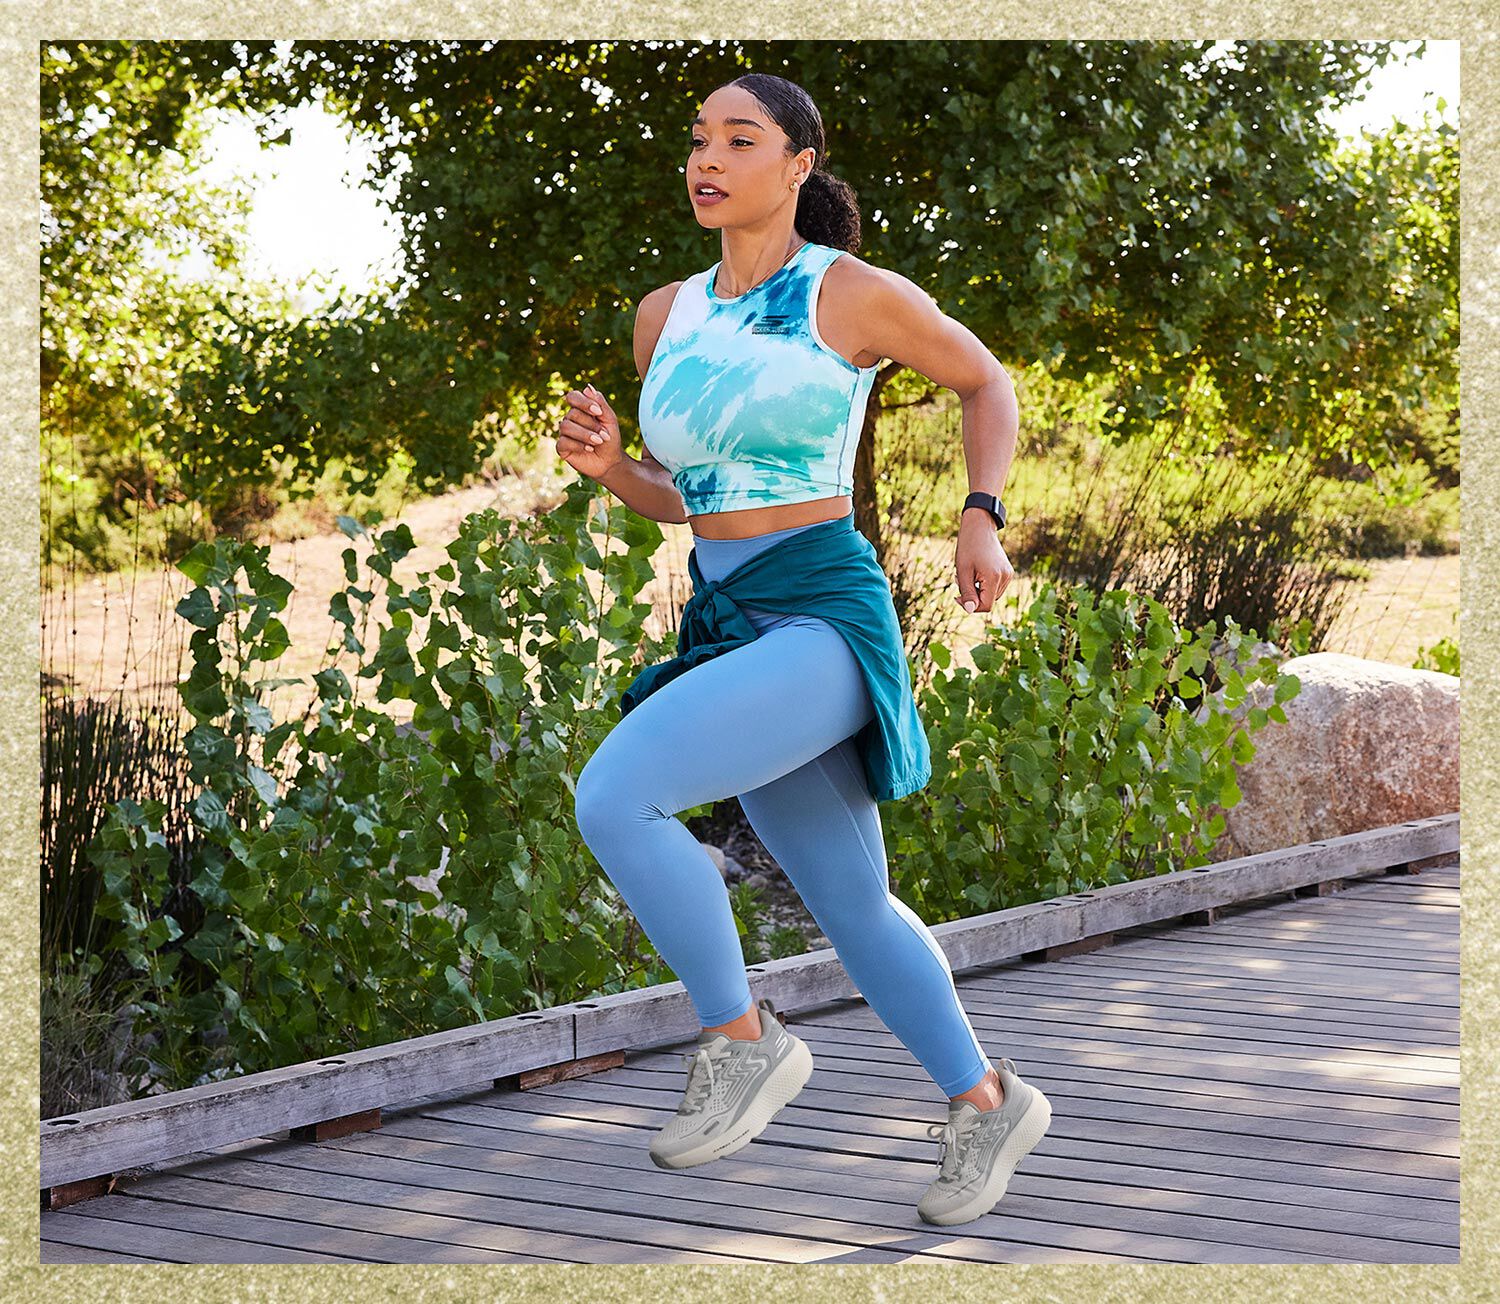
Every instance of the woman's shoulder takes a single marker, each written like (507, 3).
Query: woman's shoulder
(650, 319)
(854, 276)
(861, 288)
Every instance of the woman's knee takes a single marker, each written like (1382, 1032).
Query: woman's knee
(609, 791)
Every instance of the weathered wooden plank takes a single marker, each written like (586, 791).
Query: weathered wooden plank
(1354, 904)
(1041, 1176)
(1264, 990)
(780, 1238)
(1048, 991)
(1208, 1020)
(62, 1252)
(94, 1225)
(1437, 899)
(781, 1216)
(1233, 951)
(1349, 937)
(1440, 990)
(115, 1137)
(1377, 916)
(791, 1209)
(864, 1158)
(1406, 937)
(285, 1240)
(458, 1216)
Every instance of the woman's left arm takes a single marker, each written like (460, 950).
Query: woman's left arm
(901, 321)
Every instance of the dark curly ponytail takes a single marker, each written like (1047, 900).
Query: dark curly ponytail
(827, 208)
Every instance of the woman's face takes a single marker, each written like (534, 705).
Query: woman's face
(737, 147)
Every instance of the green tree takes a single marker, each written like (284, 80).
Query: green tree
(1180, 223)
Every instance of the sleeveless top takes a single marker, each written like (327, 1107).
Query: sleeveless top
(744, 403)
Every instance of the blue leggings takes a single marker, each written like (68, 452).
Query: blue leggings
(772, 722)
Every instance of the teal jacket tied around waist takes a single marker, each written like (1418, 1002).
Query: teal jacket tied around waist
(829, 571)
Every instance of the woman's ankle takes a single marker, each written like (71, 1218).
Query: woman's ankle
(745, 1028)
(986, 1093)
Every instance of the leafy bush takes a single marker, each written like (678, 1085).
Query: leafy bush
(94, 749)
(316, 931)
(358, 881)
(1072, 756)
(1442, 656)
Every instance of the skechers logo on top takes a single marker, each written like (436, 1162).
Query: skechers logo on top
(771, 324)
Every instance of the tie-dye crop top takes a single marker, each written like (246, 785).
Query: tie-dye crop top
(744, 403)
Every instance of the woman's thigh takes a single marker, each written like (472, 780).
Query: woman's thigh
(738, 720)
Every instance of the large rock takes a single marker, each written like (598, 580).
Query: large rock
(1365, 744)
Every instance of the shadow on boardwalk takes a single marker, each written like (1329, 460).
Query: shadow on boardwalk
(1280, 1087)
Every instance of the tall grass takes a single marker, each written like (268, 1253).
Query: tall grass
(1209, 532)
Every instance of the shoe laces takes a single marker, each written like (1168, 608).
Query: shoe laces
(955, 1159)
(701, 1079)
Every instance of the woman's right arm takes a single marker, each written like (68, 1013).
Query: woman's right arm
(645, 486)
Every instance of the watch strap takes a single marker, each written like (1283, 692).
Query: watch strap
(991, 503)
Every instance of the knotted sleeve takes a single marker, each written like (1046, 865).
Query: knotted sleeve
(712, 624)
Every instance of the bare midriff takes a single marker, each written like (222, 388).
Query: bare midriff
(750, 521)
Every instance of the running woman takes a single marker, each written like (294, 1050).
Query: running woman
(755, 375)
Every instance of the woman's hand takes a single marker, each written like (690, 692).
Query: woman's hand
(983, 568)
(588, 438)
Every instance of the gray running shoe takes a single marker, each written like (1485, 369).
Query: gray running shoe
(734, 1089)
(981, 1148)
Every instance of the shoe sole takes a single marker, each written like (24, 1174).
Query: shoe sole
(782, 1087)
(1020, 1143)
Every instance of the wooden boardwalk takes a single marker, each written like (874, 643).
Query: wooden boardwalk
(1278, 1087)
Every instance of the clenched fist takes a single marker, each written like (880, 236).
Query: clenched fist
(588, 438)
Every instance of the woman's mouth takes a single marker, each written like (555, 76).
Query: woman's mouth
(705, 194)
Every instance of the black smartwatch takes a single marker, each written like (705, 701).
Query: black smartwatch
(990, 503)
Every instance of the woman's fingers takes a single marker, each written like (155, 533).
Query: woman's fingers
(583, 417)
(587, 435)
(598, 404)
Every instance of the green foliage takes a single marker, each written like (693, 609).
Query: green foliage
(1399, 511)
(93, 750)
(1081, 751)
(760, 940)
(314, 934)
(1143, 210)
(1442, 656)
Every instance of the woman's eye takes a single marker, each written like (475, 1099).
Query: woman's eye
(738, 140)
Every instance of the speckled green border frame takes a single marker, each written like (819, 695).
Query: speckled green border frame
(28, 22)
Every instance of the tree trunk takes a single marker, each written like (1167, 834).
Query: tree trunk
(867, 516)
